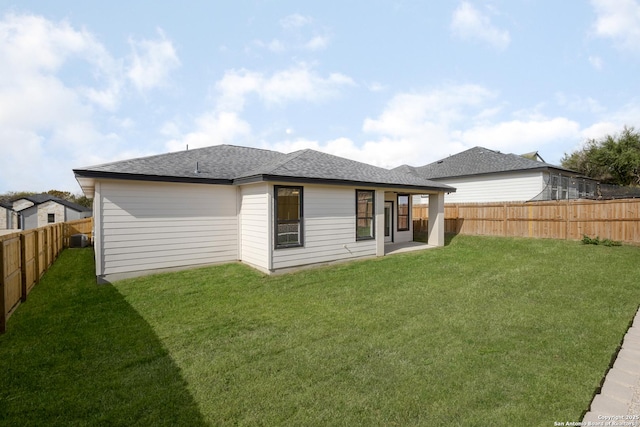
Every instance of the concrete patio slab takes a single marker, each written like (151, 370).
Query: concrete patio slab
(396, 248)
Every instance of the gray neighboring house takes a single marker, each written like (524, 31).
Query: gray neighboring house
(43, 209)
(481, 175)
(267, 209)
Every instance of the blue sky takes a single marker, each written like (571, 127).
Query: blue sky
(384, 82)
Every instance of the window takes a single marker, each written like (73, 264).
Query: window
(554, 187)
(581, 192)
(288, 207)
(365, 209)
(403, 212)
(565, 188)
(51, 218)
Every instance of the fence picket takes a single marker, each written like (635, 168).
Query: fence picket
(565, 219)
(26, 255)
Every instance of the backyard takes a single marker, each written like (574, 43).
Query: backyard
(485, 331)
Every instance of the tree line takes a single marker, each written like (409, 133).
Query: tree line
(613, 159)
(80, 199)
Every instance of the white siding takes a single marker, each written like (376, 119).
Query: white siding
(329, 229)
(254, 225)
(149, 226)
(512, 187)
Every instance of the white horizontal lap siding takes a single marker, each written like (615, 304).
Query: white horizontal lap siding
(148, 226)
(511, 187)
(254, 225)
(329, 229)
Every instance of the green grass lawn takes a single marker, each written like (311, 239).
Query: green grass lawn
(486, 331)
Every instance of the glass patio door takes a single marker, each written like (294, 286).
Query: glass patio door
(388, 222)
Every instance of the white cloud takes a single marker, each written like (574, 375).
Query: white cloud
(299, 33)
(33, 44)
(223, 124)
(151, 62)
(414, 128)
(618, 20)
(295, 21)
(298, 83)
(212, 128)
(596, 62)
(235, 86)
(468, 23)
(521, 136)
(33, 49)
(612, 122)
(276, 46)
(600, 129)
(317, 43)
(301, 83)
(376, 87)
(419, 128)
(579, 103)
(407, 113)
(48, 122)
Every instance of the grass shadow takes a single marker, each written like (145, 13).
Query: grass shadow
(449, 238)
(78, 354)
(422, 237)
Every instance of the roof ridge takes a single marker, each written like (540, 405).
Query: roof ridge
(270, 165)
(291, 156)
(151, 156)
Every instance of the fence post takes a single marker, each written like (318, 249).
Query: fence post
(65, 235)
(36, 249)
(23, 267)
(567, 226)
(505, 215)
(3, 307)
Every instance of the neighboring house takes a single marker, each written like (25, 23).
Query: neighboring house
(483, 175)
(267, 209)
(8, 217)
(534, 155)
(43, 209)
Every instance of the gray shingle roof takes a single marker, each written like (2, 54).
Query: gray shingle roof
(221, 162)
(38, 199)
(477, 161)
(228, 164)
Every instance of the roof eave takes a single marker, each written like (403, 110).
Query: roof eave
(415, 188)
(538, 169)
(84, 173)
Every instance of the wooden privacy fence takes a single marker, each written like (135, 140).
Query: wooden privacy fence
(26, 255)
(559, 219)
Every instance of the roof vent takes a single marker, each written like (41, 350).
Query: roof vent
(197, 171)
(439, 161)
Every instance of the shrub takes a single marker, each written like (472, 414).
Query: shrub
(596, 241)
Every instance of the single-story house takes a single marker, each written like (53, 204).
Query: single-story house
(43, 209)
(482, 175)
(8, 217)
(270, 210)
